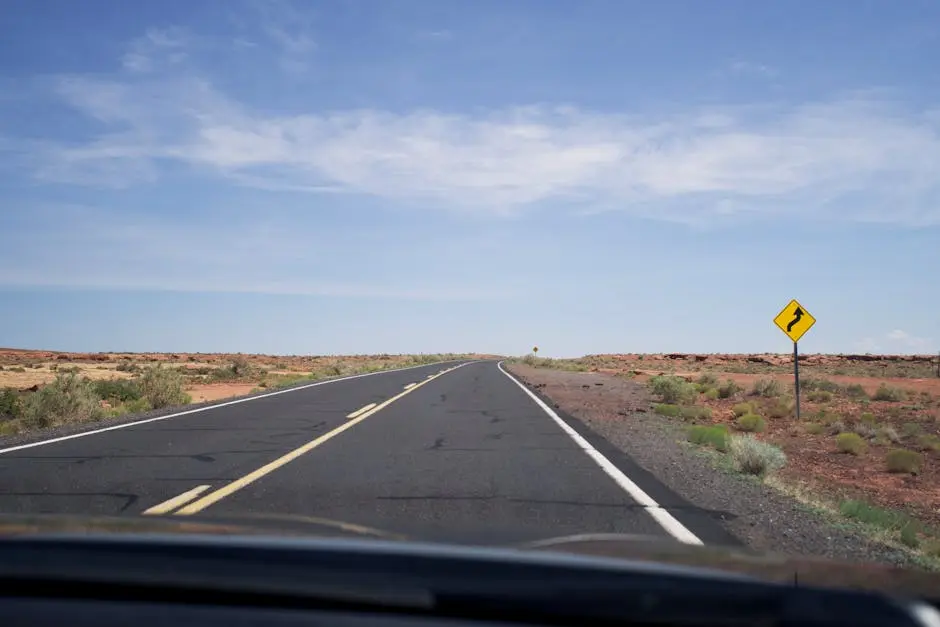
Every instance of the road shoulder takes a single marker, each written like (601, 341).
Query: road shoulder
(615, 409)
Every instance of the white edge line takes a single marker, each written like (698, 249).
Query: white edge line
(362, 410)
(666, 520)
(125, 425)
(170, 504)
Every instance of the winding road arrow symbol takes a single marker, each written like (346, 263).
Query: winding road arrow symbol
(798, 314)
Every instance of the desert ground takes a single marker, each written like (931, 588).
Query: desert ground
(865, 450)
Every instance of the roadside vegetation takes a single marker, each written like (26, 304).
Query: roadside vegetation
(67, 389)
(71, 398)
(889, 434)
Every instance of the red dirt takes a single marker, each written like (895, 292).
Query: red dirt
(218, 391)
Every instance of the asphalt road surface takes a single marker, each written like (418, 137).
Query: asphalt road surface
(457, 451)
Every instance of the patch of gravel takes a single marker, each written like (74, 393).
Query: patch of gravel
(763, 518)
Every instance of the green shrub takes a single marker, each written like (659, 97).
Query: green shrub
(751, 422)
(707, 379)
(929, 441)
(127, 366)
(120, 390)
(715, 436)
(162, 387)
(903, 460)
(814, 428)
(224, 373)
(888, 393)
(711, 394)
(889, 434)
(694, 412)
(909, 536)
(66, 399)
(779, 408)
(868, 418)
(767, 388)
(742, 408)
(17, 369)
(666, 409)
(890, 520)
(819, 396)
(672, 389)
(856, 392)
(728, 389)
(138, 406)
(10, 405)
(850, 443)
(811, 384)
(753, 457)
(872, 515)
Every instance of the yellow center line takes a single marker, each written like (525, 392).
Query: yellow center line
(236, 485)
(361, 410)
(410, 385)
(176, 501)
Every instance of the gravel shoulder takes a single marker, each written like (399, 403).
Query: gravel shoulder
(761, 517)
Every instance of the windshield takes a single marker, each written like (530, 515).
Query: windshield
(549, 275)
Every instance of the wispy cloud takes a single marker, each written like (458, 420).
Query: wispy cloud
(799, 159)
(911, 342)
(752, 69)
(290, 26)
(440, 35)
(896, 341)
(157, 48)
(858, 157)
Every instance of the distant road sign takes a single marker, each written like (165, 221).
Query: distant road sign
(794, 320)
(535, 349)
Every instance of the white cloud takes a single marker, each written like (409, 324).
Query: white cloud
(854, 158)
(910, 342)
(896, 341)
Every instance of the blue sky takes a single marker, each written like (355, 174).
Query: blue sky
(433, 175)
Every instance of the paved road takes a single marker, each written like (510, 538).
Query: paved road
(456, 451)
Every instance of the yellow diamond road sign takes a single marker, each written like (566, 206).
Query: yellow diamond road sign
(794, 320)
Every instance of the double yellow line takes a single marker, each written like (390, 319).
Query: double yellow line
(197, 506)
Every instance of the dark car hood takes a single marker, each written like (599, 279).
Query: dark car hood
(809, 571)
(768, 567)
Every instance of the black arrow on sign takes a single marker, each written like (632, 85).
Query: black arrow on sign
(797, 315)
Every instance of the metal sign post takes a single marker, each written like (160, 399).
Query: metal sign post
(794, 321)
(796, 378)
